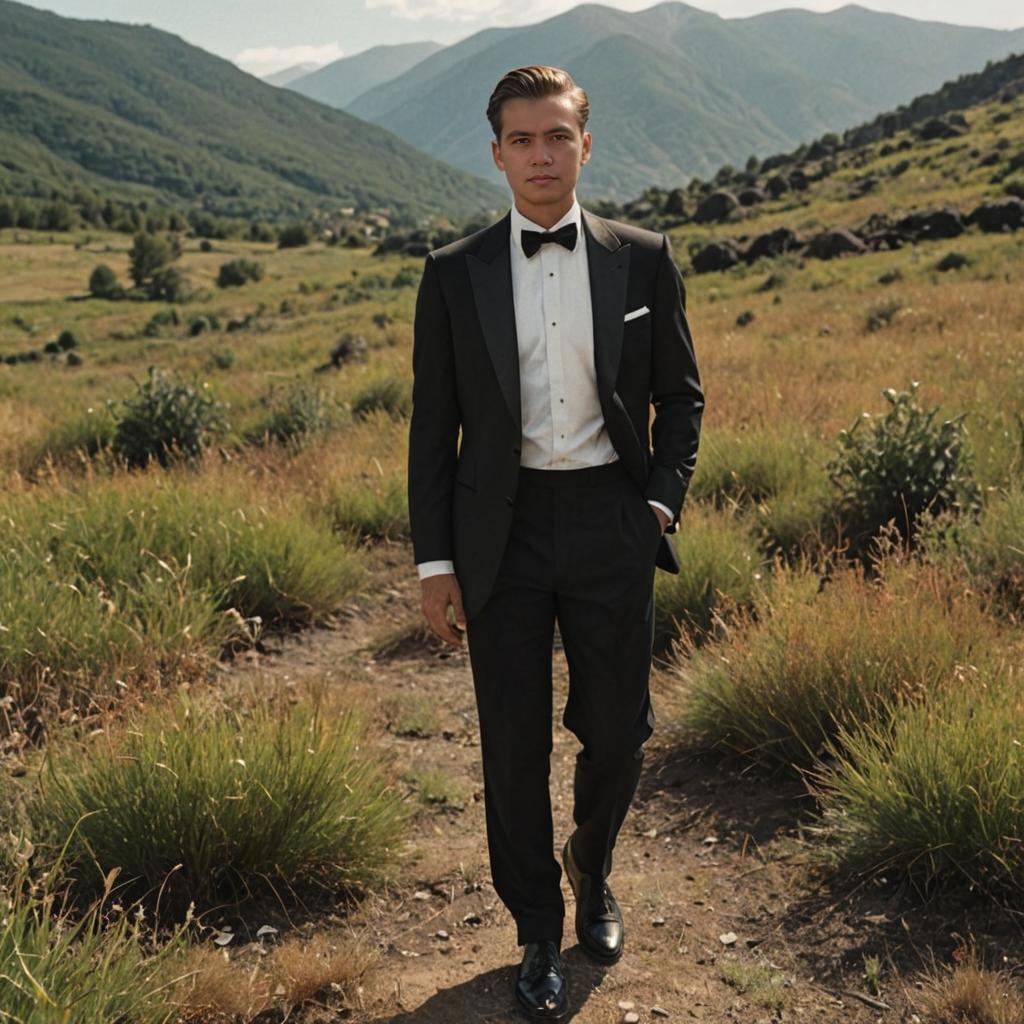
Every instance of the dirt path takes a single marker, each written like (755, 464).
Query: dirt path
(726, 918)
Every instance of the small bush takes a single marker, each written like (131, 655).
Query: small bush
(393, 395)
(936, 790)
(149, 254)
(103, 283)
(166, 418)
(214, 804)
(293, 236)
(57, 965)
(160, 319)
(373, 509)
(304, 411)
(882, 315)
(897, 466)
(989, 547)
(142, 584)
(235, 273)
(952, 261)
(168, 284)
(721, 567)
(809, 664)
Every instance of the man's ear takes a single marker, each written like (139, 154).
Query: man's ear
(585, 155)
(496, 155)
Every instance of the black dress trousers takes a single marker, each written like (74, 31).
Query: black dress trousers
(580, 552)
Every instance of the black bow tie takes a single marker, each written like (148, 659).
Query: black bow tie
(533, 240)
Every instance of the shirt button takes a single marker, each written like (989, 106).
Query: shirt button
(550, 274)
(562, 400)
(553, 324)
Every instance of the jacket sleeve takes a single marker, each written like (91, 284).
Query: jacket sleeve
(675, 391)
(434, 426)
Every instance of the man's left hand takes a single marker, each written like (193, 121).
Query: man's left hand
(662, 518)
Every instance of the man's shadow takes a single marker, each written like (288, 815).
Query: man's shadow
(490, 997)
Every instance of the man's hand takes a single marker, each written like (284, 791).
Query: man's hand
(438, 592)
(662, 518)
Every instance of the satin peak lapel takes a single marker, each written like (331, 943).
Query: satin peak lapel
(608, 263)
(490, 274)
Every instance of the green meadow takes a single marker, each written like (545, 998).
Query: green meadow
(813, 631)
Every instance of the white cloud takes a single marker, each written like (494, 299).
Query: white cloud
(265, 60)
(448, 10)
(498, 12)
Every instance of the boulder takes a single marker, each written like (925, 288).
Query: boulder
(837, 242)
(939, 128)
(996, 215)
(718, 255)
(771, 244)
(934, 222)
(751, 197)
(715, 208)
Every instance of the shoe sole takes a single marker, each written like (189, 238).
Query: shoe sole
(601, 958)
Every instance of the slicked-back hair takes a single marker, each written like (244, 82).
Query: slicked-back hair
(534, 83)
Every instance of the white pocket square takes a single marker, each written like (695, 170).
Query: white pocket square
(635, 314)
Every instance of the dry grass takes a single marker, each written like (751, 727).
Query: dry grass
(214, 986)
(967, 993)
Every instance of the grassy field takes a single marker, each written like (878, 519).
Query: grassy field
(889, 686)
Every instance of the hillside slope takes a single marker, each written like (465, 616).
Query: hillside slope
(138, 112)
(677, 91)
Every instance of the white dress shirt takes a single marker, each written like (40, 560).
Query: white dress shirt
(563, 426)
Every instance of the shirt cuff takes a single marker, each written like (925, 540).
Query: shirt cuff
(658, 504)
(438, 568)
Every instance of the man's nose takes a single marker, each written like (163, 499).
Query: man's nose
(540, 155)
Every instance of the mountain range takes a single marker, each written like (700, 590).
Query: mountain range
(139, 113)
(341, 81)
(676, 91)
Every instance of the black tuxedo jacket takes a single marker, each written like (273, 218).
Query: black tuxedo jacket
(466, 377)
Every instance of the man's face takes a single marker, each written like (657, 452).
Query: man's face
(541, 151)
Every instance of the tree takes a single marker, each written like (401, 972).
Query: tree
(149, 253)
(103, 283)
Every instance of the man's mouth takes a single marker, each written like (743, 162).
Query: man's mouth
(543, 177)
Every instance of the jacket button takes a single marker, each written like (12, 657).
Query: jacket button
(508, 498)
(515, 451)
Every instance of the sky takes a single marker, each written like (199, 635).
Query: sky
(263, 36)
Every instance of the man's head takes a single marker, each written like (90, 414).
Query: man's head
(539, 116)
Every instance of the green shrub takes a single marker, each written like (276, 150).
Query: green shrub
(304, 411)
(88, 435)
(808, 664)
(56, 965)
(166, 418)
(372, 509)
(213, 804)
(393, 395)
(236, 273)
(935, 791)
(720, 568)
(991, 547)
(882, 315)
(103, 283)
(293, 236)
(168, 284)
(897, 466)
(111, 583)
(160, 319)
(748, 468)
(148, 254)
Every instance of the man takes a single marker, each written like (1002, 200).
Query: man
(544, 338)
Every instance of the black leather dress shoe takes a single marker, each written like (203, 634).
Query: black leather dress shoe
(598, 917)
(540, 986)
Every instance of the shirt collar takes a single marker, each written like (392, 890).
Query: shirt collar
(519, 222)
